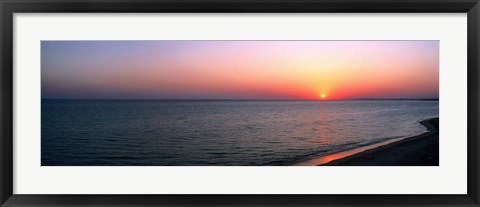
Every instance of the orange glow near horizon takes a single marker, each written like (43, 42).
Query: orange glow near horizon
(325, 70)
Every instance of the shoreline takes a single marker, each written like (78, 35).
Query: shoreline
(419, 150)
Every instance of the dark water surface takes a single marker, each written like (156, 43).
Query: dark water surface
(192, 133)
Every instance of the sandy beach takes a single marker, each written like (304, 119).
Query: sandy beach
(420, 150)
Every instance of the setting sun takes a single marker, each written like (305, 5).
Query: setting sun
(280, 70)
(267, 102)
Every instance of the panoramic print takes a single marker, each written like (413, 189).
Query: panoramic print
(239, 103)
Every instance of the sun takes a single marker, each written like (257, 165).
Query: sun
(323, 95)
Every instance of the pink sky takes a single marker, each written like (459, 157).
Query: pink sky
(240, 69)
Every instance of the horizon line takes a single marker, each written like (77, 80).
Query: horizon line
(246, 99)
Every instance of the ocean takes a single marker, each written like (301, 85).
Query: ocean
(219, 133)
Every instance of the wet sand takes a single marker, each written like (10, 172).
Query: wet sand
(421, 150)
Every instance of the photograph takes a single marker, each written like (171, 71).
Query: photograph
(239, 103)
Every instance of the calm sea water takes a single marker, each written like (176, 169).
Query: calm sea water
(192, 133)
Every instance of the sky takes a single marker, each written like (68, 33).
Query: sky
(240, 69)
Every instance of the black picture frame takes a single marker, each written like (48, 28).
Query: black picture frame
(9, 7)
